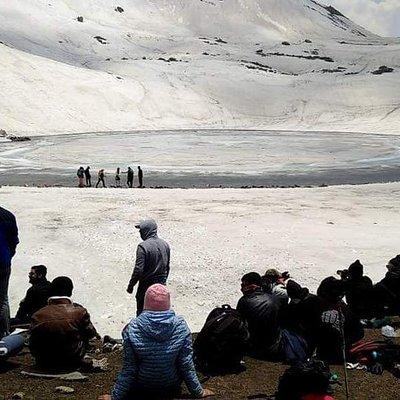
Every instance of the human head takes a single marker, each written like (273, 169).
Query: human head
(271, 275)
(331, 289)
(147, 228)
(356, 270)
(138, 167)
(118, 169)
(157, 298)
(36, 273)
(251, 280)
(394, 263)
(62, 286)
(295, 291)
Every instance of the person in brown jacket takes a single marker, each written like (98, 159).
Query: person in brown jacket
(60, 331)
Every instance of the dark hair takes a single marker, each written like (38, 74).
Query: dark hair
(331, 289)
(395, 261)
(40, 270)
(62, 286)
(252, 278)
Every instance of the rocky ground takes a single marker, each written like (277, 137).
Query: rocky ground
(258, 382)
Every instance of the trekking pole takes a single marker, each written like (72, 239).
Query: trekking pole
(346, 378)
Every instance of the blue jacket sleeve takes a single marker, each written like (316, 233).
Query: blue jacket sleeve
(186, 366)
(126, 377)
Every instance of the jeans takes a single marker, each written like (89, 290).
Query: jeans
(11, 345)
(5, 271)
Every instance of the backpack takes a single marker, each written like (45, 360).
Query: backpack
(368, 352)
(309, 377)
(221, 344)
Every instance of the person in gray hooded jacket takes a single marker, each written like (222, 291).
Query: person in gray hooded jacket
(152, 261)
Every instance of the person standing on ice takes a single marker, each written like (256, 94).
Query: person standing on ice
(129, 180)
(152, 261)
(101, 176)
(88, 177)
(140, 176)
(8, 244)
(81, 176)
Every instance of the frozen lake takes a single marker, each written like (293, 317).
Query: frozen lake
(206, 158)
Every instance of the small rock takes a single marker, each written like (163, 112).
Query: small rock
(308, 41)
(119, 9)
(285, 43)
(3, 132)
(65, 389)
(80, 19)
(18, 396)
(330, 223)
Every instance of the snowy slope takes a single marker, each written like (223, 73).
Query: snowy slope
(192, 63)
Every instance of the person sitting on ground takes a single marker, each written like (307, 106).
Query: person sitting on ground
(337, 322)
(158, 353)
(274, 283)
(387, 291)
(36, 296)
(60, 332)
(358, 290)
(261, 311)
(10, 346)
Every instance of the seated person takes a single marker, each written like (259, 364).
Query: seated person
(336, 320)
(261, 311)
(274, 283)
(359, 290)
(36, 296)
(60, 332)
(387, 291)
(302, 315)
(10, 346)
(158, 353)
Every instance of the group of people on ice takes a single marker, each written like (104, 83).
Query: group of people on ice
(275, 319)
(85, 177)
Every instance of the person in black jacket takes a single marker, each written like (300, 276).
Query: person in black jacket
(36, 297)
(338, 325)
(8, 244)
(358, 290)
(387, 291)
(261, 311)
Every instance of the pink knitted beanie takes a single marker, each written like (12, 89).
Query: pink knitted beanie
(157, 298)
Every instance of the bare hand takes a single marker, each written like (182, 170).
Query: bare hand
(104, 397)
(130, 289)
(207, 393)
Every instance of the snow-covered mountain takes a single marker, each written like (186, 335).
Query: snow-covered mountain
(95, 65)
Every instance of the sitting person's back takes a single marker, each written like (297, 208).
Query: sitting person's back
(261, 311)
(387, 291)
(60, 332)
(158, 354)
(36, 296)
(336, 321)
(273, 283)
(359, 291)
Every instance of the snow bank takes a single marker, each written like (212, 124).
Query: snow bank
(216, 235)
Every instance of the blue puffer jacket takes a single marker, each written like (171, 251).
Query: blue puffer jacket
(158, 355)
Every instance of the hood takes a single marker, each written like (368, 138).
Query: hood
(147, 228)
(158, 325)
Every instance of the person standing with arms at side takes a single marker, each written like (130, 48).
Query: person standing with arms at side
(8, 244)
(101, 176)
(118, 178)
(88, 177)
(140, 176)
(81, 176)
(152, 261)
(129, 180)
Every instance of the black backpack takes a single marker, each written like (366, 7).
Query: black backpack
(304, 378)
(221, 344)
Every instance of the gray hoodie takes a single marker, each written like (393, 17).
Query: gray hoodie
(152, 256)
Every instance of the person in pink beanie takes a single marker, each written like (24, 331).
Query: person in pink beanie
(158, 353)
